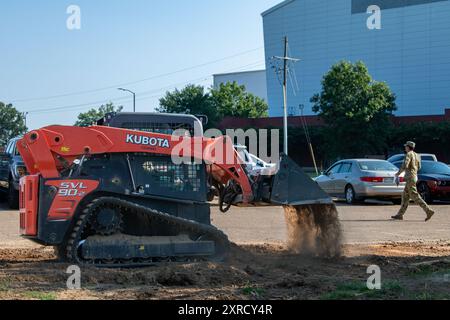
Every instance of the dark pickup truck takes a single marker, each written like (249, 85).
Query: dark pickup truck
(12, 168)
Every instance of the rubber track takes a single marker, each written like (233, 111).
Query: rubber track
(207, 231)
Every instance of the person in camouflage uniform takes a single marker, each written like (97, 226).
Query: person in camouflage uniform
(411, 166)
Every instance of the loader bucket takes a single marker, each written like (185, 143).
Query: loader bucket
(291, 186)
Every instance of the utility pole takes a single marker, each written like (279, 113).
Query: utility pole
(285, 75)
(285, 60)
(134, 97)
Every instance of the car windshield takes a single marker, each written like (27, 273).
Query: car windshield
(396, 158)
(377, 166)
(427, 158)
(434, 168)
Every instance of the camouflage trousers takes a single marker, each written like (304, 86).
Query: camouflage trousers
(411, 193)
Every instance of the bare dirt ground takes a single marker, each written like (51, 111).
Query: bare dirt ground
(414, 259)
(409, 271)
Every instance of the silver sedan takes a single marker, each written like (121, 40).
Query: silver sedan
(360, 179)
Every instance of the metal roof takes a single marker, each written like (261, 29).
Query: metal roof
(239, 72)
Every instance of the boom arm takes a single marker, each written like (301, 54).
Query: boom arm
(48, 150)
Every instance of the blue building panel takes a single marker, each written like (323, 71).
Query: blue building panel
(411, 51)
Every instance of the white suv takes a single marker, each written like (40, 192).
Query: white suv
(255, 166)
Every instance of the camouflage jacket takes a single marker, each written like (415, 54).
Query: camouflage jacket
(411, 166)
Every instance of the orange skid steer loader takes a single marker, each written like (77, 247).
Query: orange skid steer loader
(111, 195)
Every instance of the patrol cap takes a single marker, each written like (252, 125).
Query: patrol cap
(410, 144)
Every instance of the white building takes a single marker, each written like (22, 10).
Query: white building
(254, 81)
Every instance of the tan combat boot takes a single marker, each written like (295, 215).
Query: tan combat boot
(429, 215)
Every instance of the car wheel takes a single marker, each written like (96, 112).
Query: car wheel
(3, 195)
(13, 197)
(350, 195)
(397, 202)
(425, 193)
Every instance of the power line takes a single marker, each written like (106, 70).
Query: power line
(294, 91)
(291, 67)
(93, 103)
(308, 138)
(296, 80)
(135, 82)
(141, 95)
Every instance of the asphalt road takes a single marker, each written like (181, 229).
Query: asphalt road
(368, 223)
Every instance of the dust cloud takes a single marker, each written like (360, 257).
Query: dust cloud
(314, 230)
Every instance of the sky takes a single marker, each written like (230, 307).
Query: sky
(146, 46)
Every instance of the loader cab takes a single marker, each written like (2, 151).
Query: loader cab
(155, 122)
(157, 175)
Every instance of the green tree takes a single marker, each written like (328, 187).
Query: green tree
(12, 123)
(430, 138)
(356, 109)
(91, 117)
(232, 100)
(192, 99)
(228, 100)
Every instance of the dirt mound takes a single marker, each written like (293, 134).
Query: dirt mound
(314, 230)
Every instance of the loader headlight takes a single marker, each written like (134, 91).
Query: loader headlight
(20, 171)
